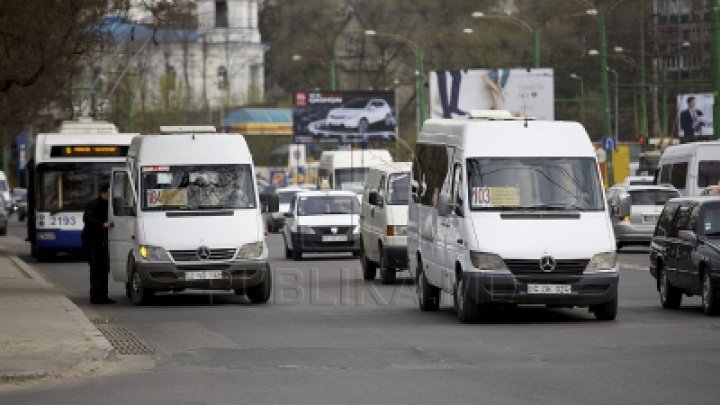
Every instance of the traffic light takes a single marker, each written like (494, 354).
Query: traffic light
(641, 139)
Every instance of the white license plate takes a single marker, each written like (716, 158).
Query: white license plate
(203, 275)
(650, 218)
(549, 289)
(334, 238)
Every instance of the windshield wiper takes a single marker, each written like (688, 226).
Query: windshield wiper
(554, 206)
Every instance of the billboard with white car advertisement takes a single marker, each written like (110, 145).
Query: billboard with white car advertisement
(523, 92)
(344, 116)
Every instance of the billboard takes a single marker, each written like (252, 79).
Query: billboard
(695, 115)
(344, 116)
(527, 92)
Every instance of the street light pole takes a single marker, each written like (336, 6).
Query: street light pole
(607, 126)
(582, 95)
(715, 54)
(617, 125)
(419, 60)
(333, 77)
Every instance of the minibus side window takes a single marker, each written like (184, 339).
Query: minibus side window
(678, 175)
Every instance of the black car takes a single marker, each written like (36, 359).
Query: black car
(685, 252)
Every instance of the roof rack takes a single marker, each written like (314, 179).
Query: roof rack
(495, 115)
(186, 129)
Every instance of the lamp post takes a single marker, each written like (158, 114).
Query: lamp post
(617, 125)
(715, 55)
(582, 95)
(332, 77)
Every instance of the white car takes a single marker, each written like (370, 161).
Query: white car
(276, 220)
(360, 114)
(322, 221)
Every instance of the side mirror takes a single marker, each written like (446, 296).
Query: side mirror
(687, 236)
(373, 198)
(445, 205)
(270, 202)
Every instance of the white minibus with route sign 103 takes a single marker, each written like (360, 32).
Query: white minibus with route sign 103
(510, 211)
(187, 215)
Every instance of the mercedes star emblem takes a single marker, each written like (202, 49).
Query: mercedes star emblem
(547, 263)
(334, 231)
(203, 253)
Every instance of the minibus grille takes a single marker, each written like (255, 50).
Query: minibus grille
(522, 266)
(328, 230)
(192, 255)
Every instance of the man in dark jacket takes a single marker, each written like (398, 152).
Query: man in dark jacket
(95, 242)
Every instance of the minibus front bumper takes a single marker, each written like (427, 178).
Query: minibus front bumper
(581, 290)
(237, 274)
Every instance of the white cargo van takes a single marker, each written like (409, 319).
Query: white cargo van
(383, 221)
(347, 169)
(187, 215)
(507, 211)
(690, 167)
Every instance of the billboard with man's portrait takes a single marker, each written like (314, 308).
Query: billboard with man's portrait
(344, 116)
(695, 115)
(523, 92)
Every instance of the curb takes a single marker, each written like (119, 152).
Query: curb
(102, 350)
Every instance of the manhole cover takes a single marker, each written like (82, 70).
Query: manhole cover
(122, 339)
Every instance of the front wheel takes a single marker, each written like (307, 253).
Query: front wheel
(288, 251)
(710, 295)
(260, 294)
(466, 309)
(139, 295)
(606, 311)
(368, 267)
(670, 296)
(428, 295)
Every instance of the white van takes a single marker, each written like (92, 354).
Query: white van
(5, 190)
(347, 169)
(383, 221)
(510, 211)
(187, 215)
(690, 167)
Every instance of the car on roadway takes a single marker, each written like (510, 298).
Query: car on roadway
(18, 204)
(360, 114)
(685, 252)
(634, 210)
(276, 220)
(322, 221)
(5, 190)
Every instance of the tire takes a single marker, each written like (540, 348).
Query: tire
(428, 295)
(363, 125)
(619, 245)
(387, 275)
(466, 309)
(670, 296)
(128, 289)
(3, 230)
(139, 295)
(44, 255)
(710, 295)
(606, 311)
(260, 294)
(368, 267)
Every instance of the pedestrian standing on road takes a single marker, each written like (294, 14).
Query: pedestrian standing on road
(95, 242)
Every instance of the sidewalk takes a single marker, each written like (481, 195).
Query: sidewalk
(42, 333)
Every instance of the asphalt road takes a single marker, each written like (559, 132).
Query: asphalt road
(328, 337)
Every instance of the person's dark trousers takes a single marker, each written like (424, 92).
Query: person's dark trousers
(99, 260)
(442, 91)
(455, 92)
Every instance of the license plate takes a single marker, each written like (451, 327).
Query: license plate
(203, 275)
(549, 289)
(649, 218)
(334, 238)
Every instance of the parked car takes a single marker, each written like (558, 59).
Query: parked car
(276, 220)
(360, 114)
(685, 252)
(3, 217)
(634, 210)
(383, 221)
(322, 221)
(18, 204)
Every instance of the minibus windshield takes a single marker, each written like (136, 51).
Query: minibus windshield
(350, 179)
(327, 205)
(194, 187)
(528, 183)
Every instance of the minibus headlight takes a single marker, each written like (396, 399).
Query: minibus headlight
(396, 230)
(307, 230)
(487, 261)
(602, 262)
(153, 253)
(250, 250)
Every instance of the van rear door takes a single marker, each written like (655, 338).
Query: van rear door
(122, 213)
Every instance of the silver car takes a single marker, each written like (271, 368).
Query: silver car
(635, 209)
